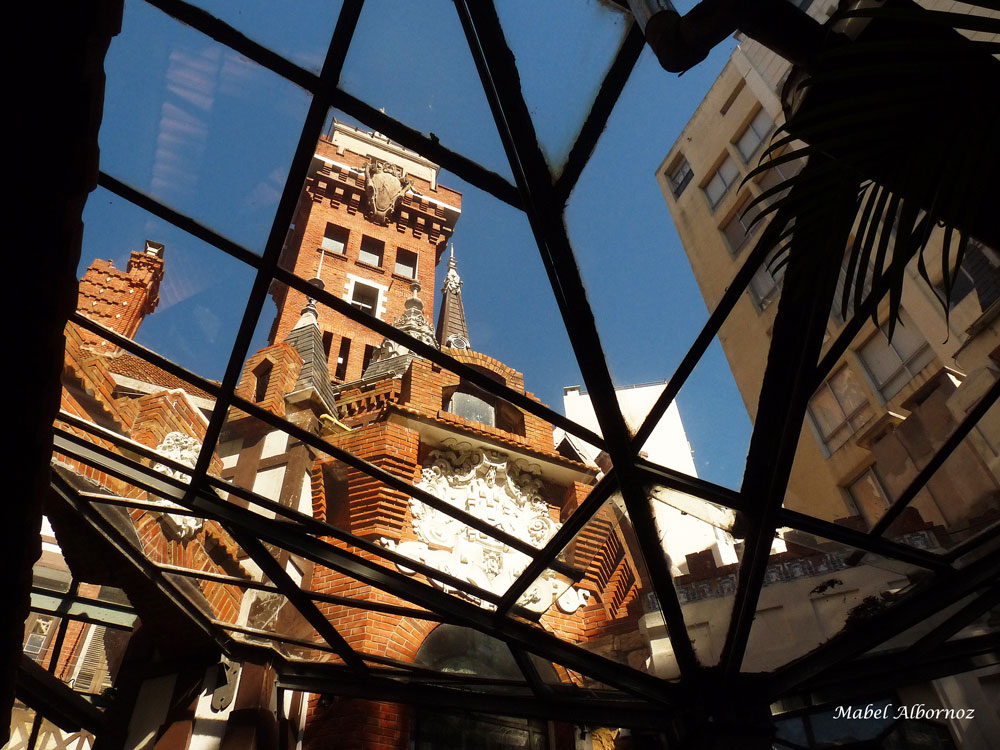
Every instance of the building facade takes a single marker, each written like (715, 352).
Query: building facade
(887, 404)
(371, 227)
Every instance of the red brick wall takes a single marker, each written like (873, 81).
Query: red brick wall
(285, 366)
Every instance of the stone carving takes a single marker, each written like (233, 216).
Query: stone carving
(488, 485)
(184, 450)
(385, 185)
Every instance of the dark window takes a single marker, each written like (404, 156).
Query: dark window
(365, 298)
(335, 239)
(472, 406)
(327, 343)
(371, 251)
(406, 263)
(980, 271)
(342, 355)
(679, 177)
(366, 359)
(262, 376)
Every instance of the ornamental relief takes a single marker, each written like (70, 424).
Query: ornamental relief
(488, 485)
(385, 185)
(183, 449)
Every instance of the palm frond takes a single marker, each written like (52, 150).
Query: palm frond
(907, 115)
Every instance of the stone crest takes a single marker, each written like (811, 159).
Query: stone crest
(488, 485)
(385, 185)
(182, 449)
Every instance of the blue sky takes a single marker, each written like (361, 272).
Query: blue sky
(211, 134)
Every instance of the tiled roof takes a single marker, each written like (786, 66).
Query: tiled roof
(135, 367)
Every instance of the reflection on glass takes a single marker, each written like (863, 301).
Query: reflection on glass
(443, 96)
(181, 112)
(561, 64)
(815, 589)
(299, 31)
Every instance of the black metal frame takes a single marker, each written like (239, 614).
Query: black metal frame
(644, 699)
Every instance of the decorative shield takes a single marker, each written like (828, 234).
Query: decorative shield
(385, 185)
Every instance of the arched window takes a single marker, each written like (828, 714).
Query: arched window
(454, 649)
(473, 403)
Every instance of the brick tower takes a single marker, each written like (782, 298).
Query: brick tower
(372, 219)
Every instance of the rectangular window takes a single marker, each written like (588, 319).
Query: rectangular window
(406, 263)
(365, 298)
(732, 97)
(345, 351)
(839, 408)
(776, 175)
(327, 343)
(893, 364)
(721, 180)
(738, 228)
(679, 177)
(869, 496)
(371, 251)
(751, 138)
(335, 239)
(34, 644)
(766, 283)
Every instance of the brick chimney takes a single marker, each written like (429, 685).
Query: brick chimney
(118, 299)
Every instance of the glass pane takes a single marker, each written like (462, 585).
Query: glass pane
(186, 304)
(181, 112)
(962, 498)
(815, 589)
(445, 98)
(300, 31)
(560, 81)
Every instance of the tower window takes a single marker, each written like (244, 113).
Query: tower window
(470, 402)
(345, 350)
(262, 376)
(371, 251)
(406, 263)
(327, 343)
(365, 298)
(335, 239)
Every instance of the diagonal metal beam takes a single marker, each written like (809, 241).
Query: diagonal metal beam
(798, 332)
(876, 545)
(299, 599)
(955, 439)
(501, 84)
(597, 119)
(566, 533)
(740, 283)
(297, 172)
(988, 600)
(54, 699)
(853, 642)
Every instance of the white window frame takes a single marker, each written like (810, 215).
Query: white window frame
(416, 263)
(677, 178)
(348, 296)
(727, 186)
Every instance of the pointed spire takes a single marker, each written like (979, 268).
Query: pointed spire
(451, 328)
(307, 339)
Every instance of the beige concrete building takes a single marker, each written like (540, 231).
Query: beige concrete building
(884, 410)
(886, 405)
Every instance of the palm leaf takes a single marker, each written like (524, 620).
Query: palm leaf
(863, 117)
